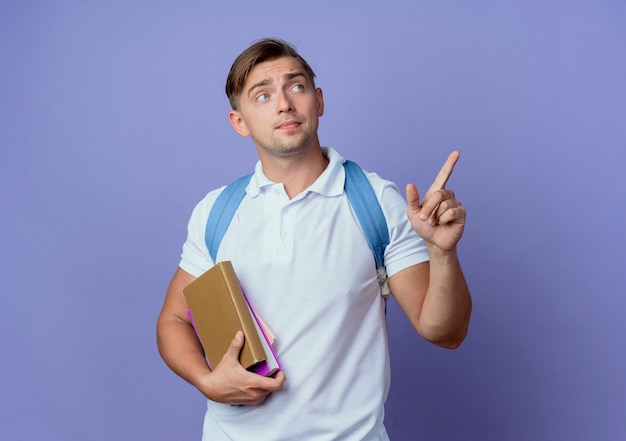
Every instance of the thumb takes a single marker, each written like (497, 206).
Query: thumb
(235, 346)
(413, 199)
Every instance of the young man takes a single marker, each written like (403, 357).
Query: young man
(303, 261)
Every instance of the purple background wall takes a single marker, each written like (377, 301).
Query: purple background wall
(113, 125)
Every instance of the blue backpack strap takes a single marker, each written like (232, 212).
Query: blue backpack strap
(371, 218)
(222, 213)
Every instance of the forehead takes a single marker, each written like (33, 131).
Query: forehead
(272, 70)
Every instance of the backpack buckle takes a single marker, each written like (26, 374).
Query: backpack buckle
(383, 281)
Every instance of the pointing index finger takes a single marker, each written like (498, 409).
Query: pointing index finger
(445, 172)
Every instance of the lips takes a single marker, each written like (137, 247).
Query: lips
(287, 125)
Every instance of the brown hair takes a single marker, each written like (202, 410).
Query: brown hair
(267, 49)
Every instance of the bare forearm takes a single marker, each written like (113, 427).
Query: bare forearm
(445, 313)
(181, 350)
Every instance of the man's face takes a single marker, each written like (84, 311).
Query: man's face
(279, 108)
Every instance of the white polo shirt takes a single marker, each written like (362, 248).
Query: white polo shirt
(305, 265)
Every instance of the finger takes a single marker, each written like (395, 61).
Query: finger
(431, 204)
(453, 215)
(444, 210)
(445, 172)
(412, 197)
(280, 378)
(276, 383)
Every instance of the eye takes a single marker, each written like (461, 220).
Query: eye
(262, 97)
(298, 88)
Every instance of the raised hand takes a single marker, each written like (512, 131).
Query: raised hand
(231, 383)
(439, 219)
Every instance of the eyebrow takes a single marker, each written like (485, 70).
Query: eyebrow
(288, 76)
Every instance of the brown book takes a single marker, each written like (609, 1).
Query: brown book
(218, 308)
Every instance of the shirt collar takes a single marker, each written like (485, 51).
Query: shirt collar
(329, 183)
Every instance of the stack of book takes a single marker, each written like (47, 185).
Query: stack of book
(218, 308)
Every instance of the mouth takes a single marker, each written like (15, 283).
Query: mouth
(289, 125)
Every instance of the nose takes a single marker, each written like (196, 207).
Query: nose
(283, 103)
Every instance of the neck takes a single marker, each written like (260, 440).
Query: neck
(295, 173)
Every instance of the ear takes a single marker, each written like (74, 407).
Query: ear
(320, 101)
(235, 119)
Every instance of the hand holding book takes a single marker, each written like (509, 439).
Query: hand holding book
(230, 383)
(218, 308)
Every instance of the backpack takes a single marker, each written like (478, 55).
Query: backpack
(360, 194)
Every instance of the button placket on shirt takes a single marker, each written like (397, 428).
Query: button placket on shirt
(283, 242)
(287, 228)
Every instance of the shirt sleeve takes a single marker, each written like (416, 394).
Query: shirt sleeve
(195, 258)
